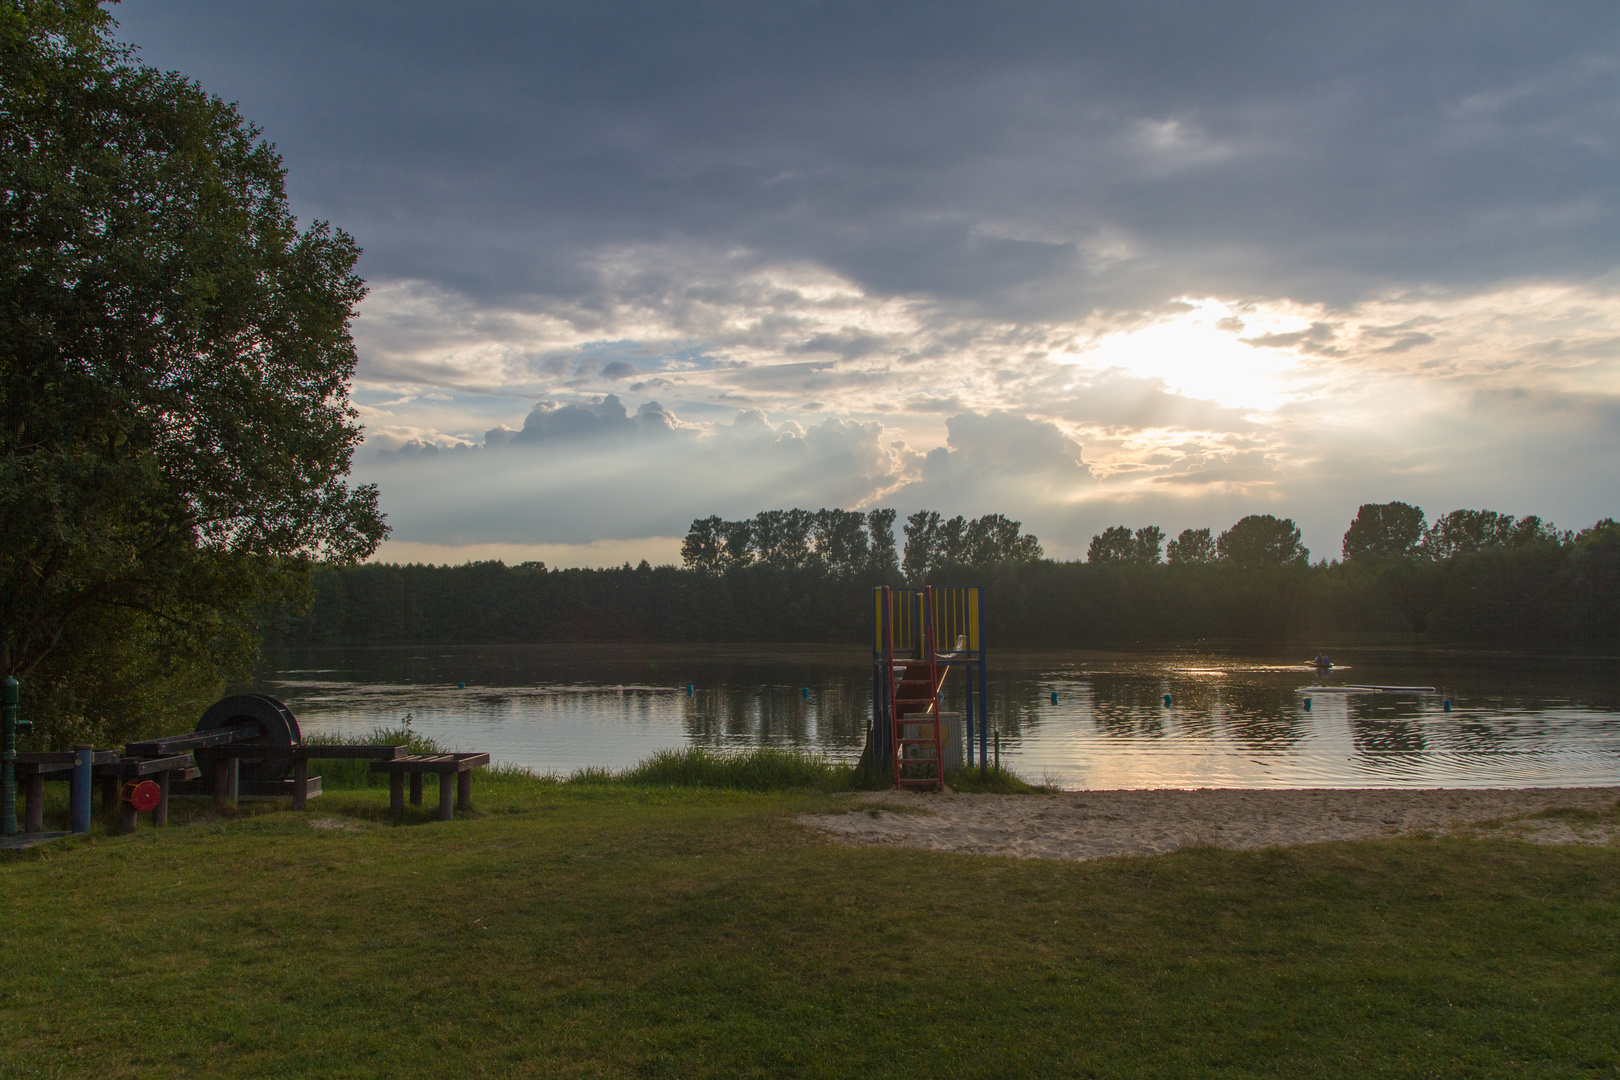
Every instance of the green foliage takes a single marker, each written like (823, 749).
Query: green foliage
(1119, 544)
(972, 780)
(761, 769)
(1262, 540)
(1191, 547)
(1384, 529)
(840, 542)
(174, 365)
(935, 545)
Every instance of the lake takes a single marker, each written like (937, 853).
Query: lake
(1236, 718)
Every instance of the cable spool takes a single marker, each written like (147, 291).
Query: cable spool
(277, 727)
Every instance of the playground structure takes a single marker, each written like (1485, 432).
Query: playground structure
(920, 636)
(243, 749)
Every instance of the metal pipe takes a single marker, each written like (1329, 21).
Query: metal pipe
(84, 758)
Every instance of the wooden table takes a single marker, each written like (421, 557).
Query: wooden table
(416, 766)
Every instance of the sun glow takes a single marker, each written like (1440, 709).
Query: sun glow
(1212, 352)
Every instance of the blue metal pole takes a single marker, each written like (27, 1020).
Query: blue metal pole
(83, 759)
(984, 693)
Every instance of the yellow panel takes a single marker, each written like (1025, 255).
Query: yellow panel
(973, 619)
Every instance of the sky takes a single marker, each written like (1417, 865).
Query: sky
(1082, 264)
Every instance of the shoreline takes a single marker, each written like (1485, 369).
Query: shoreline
(1096, 824)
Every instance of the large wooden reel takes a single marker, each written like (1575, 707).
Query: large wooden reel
(276, 724)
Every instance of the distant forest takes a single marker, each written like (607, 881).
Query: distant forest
(807, 576)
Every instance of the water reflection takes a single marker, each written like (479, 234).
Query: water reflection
(1079, 719)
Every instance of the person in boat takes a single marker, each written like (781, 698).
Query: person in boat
(1322, 664)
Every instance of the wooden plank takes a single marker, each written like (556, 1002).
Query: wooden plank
(385, 753)
(64, 757)
(196, 740)
(413, 763)
(307, 751)
(152, 766)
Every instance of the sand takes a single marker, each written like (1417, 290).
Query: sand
(1097, 824)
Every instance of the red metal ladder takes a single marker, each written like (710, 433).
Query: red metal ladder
(914, 685)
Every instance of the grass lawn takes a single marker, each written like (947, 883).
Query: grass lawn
(608, 930)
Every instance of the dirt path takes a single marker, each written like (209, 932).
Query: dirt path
(1094, 824)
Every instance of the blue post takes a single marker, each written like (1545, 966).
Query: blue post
(1054, 697)
(83, 758)
(1307, 704)
(8, 802)
(967, 714)
(984, 693)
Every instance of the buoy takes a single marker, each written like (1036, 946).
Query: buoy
(1307, 704)
(1054, 697)
(461, 686)
(1167, 702)
(1446, 704)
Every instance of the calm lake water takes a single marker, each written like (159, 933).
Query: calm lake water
(1236, 719)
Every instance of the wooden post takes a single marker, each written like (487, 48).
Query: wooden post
(447, 797)
(34, 803)
(464, 789)
(127, 817)
(222, 781)
(301, 783)
(396, 793)
(233, 769)
(109, 794)
(160, 813)
(416, 789)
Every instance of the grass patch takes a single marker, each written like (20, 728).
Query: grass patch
(760, 769)
(611, 930)
(992, 781)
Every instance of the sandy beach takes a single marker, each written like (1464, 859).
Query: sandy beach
(1097, 824)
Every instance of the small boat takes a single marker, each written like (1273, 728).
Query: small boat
(1365, 690)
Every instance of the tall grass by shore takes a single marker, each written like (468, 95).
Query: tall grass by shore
(762, 768)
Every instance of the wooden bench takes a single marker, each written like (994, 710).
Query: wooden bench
(228, 786)
(415, 766)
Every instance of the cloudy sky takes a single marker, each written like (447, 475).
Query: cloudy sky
(1083, 264)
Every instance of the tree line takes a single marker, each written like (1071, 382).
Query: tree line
(1472, 576)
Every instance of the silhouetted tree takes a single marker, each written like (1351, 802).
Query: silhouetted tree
(1394, 528)
(1115, 544)
(1191, 547)
(880, 531)
(1261, 539)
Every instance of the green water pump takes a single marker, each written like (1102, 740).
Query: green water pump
(8, 759)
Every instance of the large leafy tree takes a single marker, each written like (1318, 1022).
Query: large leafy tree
(1394, 528)
(175, 357)
(1262, 540)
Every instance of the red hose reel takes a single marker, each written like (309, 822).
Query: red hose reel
(143, 795)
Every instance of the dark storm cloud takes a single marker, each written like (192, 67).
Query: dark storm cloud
(1025, 158)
